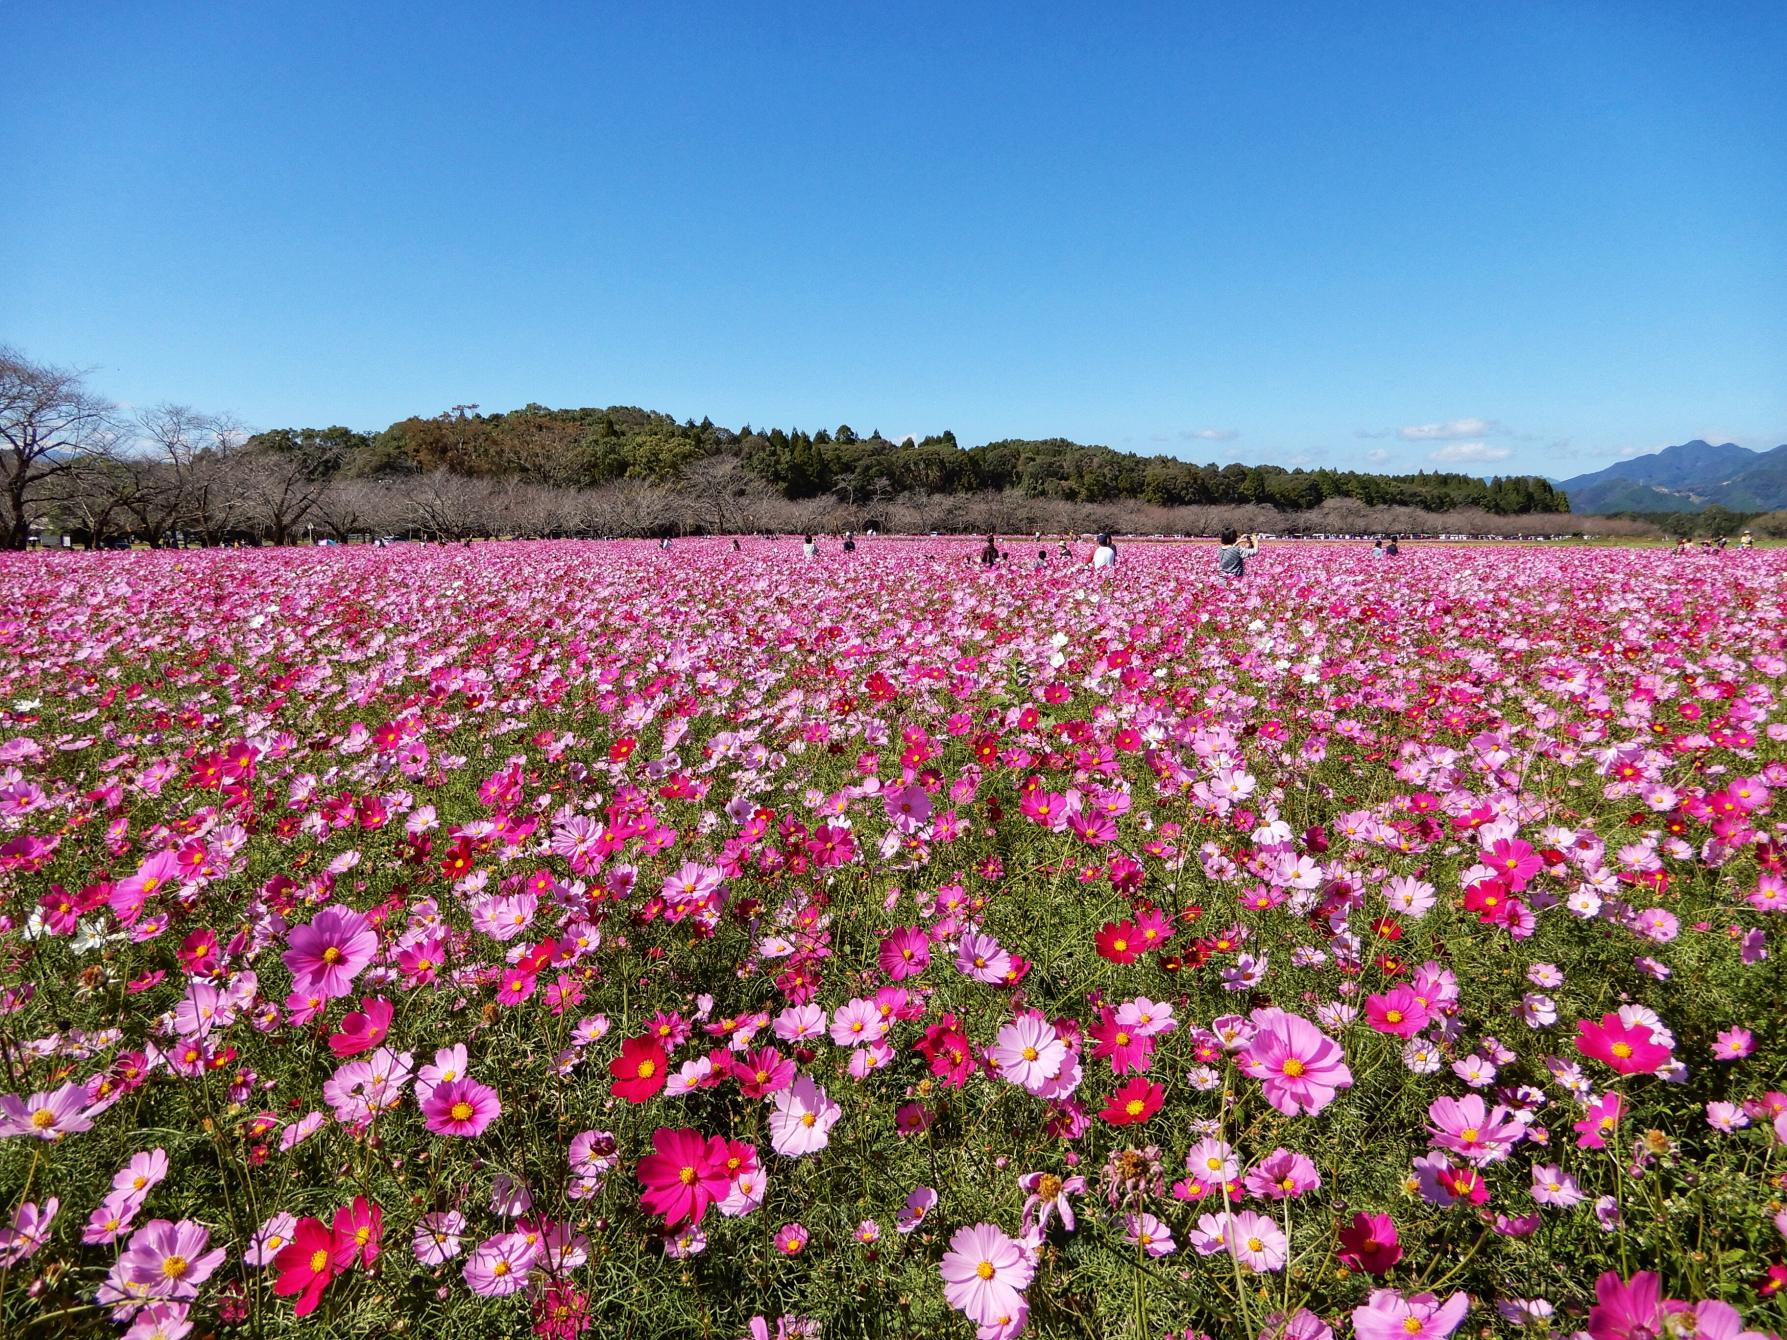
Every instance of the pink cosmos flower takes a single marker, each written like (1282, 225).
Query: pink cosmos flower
(270, 1239)
(984, 1275)
(1553, 1186)
(1387, 1315)
(325, 954)
(1299, 1067)
(1733, 1044)
(1602, 1117)
(28, 1231)
(1626, 1309)
(1048, 1194)
(143, 1171)
(802, 1119)
(1282, 1174)
(461, 1107)
(112, 1217)
(857, 1024)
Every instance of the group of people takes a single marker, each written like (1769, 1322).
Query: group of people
(1686, 546)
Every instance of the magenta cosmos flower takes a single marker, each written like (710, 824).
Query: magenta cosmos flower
(984, 1275)
(461, 1107)
(1299, 1066)
(1625, 1047)
(328, 952)
(1387, 1315)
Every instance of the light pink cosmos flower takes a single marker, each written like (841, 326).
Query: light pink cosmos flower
(499, 1265)
(28, 1231)
(1028, 1052)
(858, 1023)
(1469, 1127)
(1555, 1187)
(1387, 1315)
(1256, 1241)
(437, 1237)
(802, 1119)
(270, 1238)
(326, 953)
(984, 1275)
(1299, 1067)
(48, 1116)
(142, 1172)
(112, 1217)
(981, 957)
(165, 1259)
(1148, 1233)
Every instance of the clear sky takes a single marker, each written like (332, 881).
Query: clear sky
(1512, 236)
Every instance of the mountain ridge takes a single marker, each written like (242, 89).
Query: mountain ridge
(1687, 477)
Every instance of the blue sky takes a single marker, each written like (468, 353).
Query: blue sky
(1502, 237)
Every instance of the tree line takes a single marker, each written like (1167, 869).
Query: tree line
(72, 461)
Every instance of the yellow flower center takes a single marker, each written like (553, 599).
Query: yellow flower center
(1392, 1016)
(1412, 1325)
(1030, 1053)
(1468, 1134)
(687, 1177)
(174, 1267)
(1621, 1049)
(647, 1069)
(1293, 1067)
(318, 1260)
(43, 1119)
(984, 1270)
(461, 1111)
(1134, 1107)
(331, 955)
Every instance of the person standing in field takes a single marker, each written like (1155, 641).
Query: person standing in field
(1105, 555)
(990, 554)
(807, 548)
(1232, 556)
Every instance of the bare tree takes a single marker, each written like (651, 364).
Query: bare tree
(349, 507)
(720, 495)
(278, 489)
(49, 423)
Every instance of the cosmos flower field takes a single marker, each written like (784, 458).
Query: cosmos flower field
(577, 938)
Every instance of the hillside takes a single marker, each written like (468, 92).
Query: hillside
(593, 447)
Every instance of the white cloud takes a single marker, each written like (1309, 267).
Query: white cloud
(1459, 453)
(1451, 430)
(1377, 455)
(1210, 434)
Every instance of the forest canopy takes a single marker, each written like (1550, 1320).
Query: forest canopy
(587, 447)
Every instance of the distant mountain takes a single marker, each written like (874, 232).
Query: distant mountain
(1685, 478)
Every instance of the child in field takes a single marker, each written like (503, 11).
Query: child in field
(1105, 555)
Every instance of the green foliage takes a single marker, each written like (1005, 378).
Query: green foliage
(595, 446)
